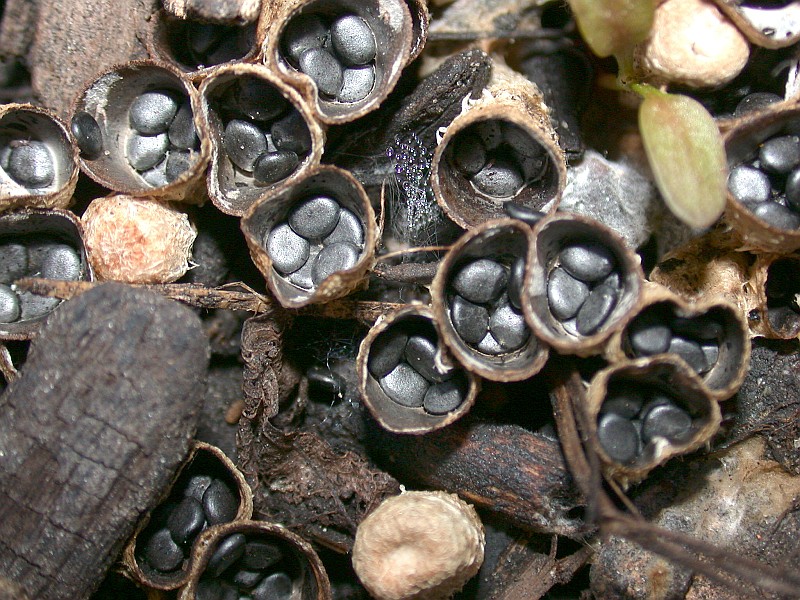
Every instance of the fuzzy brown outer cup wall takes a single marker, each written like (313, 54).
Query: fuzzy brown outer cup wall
(391, 24)
(231, 190)
(28, 224)
(25, 122)
(167, 41)
(503, 240)
(741, 144)
(389, 414)
(268, 212)
(669, 376)
(203, 459)
(108, 99)
(551, 235)
(725, 377)
(310, 581)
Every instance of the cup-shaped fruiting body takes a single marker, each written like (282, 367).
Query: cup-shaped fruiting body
(643, 412)
(421, 545)
(38, 161)
(37, 242)
(315, 240)
(139, 130)
(691, 42)
(501, 147)
(582, 284)
(477, 299)
(420, 23)
(775, 309)
(208, 491)
(407, 379)
(263, 135)
(197, 47)
(137, 240)
(766, 23)
(763, 203)
(344, 55)
(711, 336)
(258, 560)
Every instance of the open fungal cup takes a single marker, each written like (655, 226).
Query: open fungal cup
(346, 55)
(263, 135)
(315, 240)
(256, 560)
(138, 129)
(502, 147)
(36, 242)
(583, 284)
(196, 47)
(711, 337)
(764, 181)
(406, 378)
(477, 300)
(38, 162)
(208, 491)
(644, 412)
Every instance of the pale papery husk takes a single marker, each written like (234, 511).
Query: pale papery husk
(234, 12)
(493, 238)
(137, 240)
(673, 376)
(757, 23)
(399, 36)
(512, 98)
(726, 376)
(418, 545)
(388, 413)
(28, 122)
(150, 578)
(311, 584)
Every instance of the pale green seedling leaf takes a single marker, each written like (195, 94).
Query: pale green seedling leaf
(613, 26)
(686, 154)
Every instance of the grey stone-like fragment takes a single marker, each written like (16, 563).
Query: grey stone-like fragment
(490, 346)
(87, 134)
(61, 262)
(442, 398)
(508, 327)
(666, 421)
(405, 386)
(13, 261)
(500, 178)
(792, 190)
(780, 154)
(596, 310)
(244, 143)
(353, 40)
(302, 277)
(516, 278)
(146, 151)
(271, 167)
(649, 337)
(587, 261)
(227, 552)
(260, 100)
(469, 153)
(291, 133)
(31, 165)
(162, 553)
(182, 133)
(755, 101)
(277, 586)
(711, 352)
(481, 281)
(303, 32)
(471, 321)
(324, 69)
(186, 520)
(177, 163)
(357, 83)
(348, 229)
(220, 503)
(197, 486)
(626, 404)
(419, 354)
(523, 213)
(334, 258)
(386, 352)
(565, 294)
(315, 217)
(157, 176)
(776, 215)
(9, 305)
(260, 555)
(287, 250)
(618, 437)
(152, 112)
(490, 132)
(748, 184)
(690, 351)
(245, 579)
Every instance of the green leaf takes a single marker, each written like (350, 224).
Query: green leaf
(613, 26)
(686, 154)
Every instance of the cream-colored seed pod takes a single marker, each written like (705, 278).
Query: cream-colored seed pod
(420, 545)
(693, 43)
(137, 240)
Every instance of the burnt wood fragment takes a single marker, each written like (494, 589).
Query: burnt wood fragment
(91, 433)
